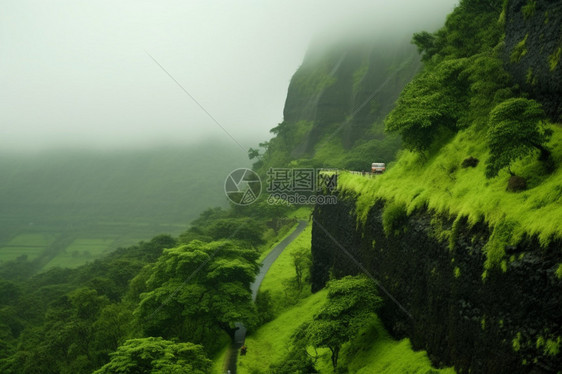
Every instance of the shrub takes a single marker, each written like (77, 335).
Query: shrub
(516, 129)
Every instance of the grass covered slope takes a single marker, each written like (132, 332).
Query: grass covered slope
(279, 279)
(373, 351)
(271, 342)
(469, 131)
(441, 184)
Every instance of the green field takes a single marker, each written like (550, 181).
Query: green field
(65, 208)
(32, 240)
(9, 253)
(30, 246)
(80, 252)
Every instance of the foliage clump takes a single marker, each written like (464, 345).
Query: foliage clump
(529, 9)
(394, 218)
(502, 235)
(516, 128)
(435, 100)
(217, 275)
(554, 58)
(350, 305)
(156, 355)
(520, 50)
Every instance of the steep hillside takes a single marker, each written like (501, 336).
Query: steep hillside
(533, 49)
(464, 231)
(337, 101)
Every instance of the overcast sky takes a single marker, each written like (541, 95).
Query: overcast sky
(77, 73)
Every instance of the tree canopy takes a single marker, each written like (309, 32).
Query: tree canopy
(351, 302)
(198, 289)
(516, 129)
(156, 355)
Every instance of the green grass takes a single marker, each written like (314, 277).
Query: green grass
(270, 342)
(301, 213)
(79, 252)
(219, 362)
(442, 185)
(93, 246)
(30, 245)
(374, 351)
(11, 253)
(33, 240)
(283, 271)
(275, 239)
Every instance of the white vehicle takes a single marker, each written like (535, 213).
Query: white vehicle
(378, 167)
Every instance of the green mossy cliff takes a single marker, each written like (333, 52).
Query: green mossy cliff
(533, 49)
(472, 271)
(432, 266)
(336, 104)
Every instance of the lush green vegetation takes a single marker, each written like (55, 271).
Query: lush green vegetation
(335, 119)
(468, 130)
(286, 343)
(171, 304)
(111, 314)
(281, 280)
(371, 351)
(155, 355)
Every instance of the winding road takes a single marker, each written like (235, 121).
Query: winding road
(240, 334)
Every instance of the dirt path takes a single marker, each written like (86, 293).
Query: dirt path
(240, 334)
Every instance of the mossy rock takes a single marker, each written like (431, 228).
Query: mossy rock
(470, 162)
(516, 184)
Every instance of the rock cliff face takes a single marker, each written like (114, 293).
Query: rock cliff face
(533, 50)
(508, 323)
(354, 84)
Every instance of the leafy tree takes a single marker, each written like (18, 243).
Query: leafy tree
(471, 28)
(351, 302)
(156, 355)
(516, 129)
(426, 43)
(110, 329)
(302, 261)
(436, 99)
(243, 228)
(253, 153)
(198, 289)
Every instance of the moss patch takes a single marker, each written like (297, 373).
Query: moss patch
(554, 59)
(419, 181)
(519, 51)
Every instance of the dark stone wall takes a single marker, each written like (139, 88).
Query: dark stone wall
(460, 320)
(532, 71)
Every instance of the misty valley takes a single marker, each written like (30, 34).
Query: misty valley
(204, 187)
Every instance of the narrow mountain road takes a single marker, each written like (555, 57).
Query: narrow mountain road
(240, 334)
